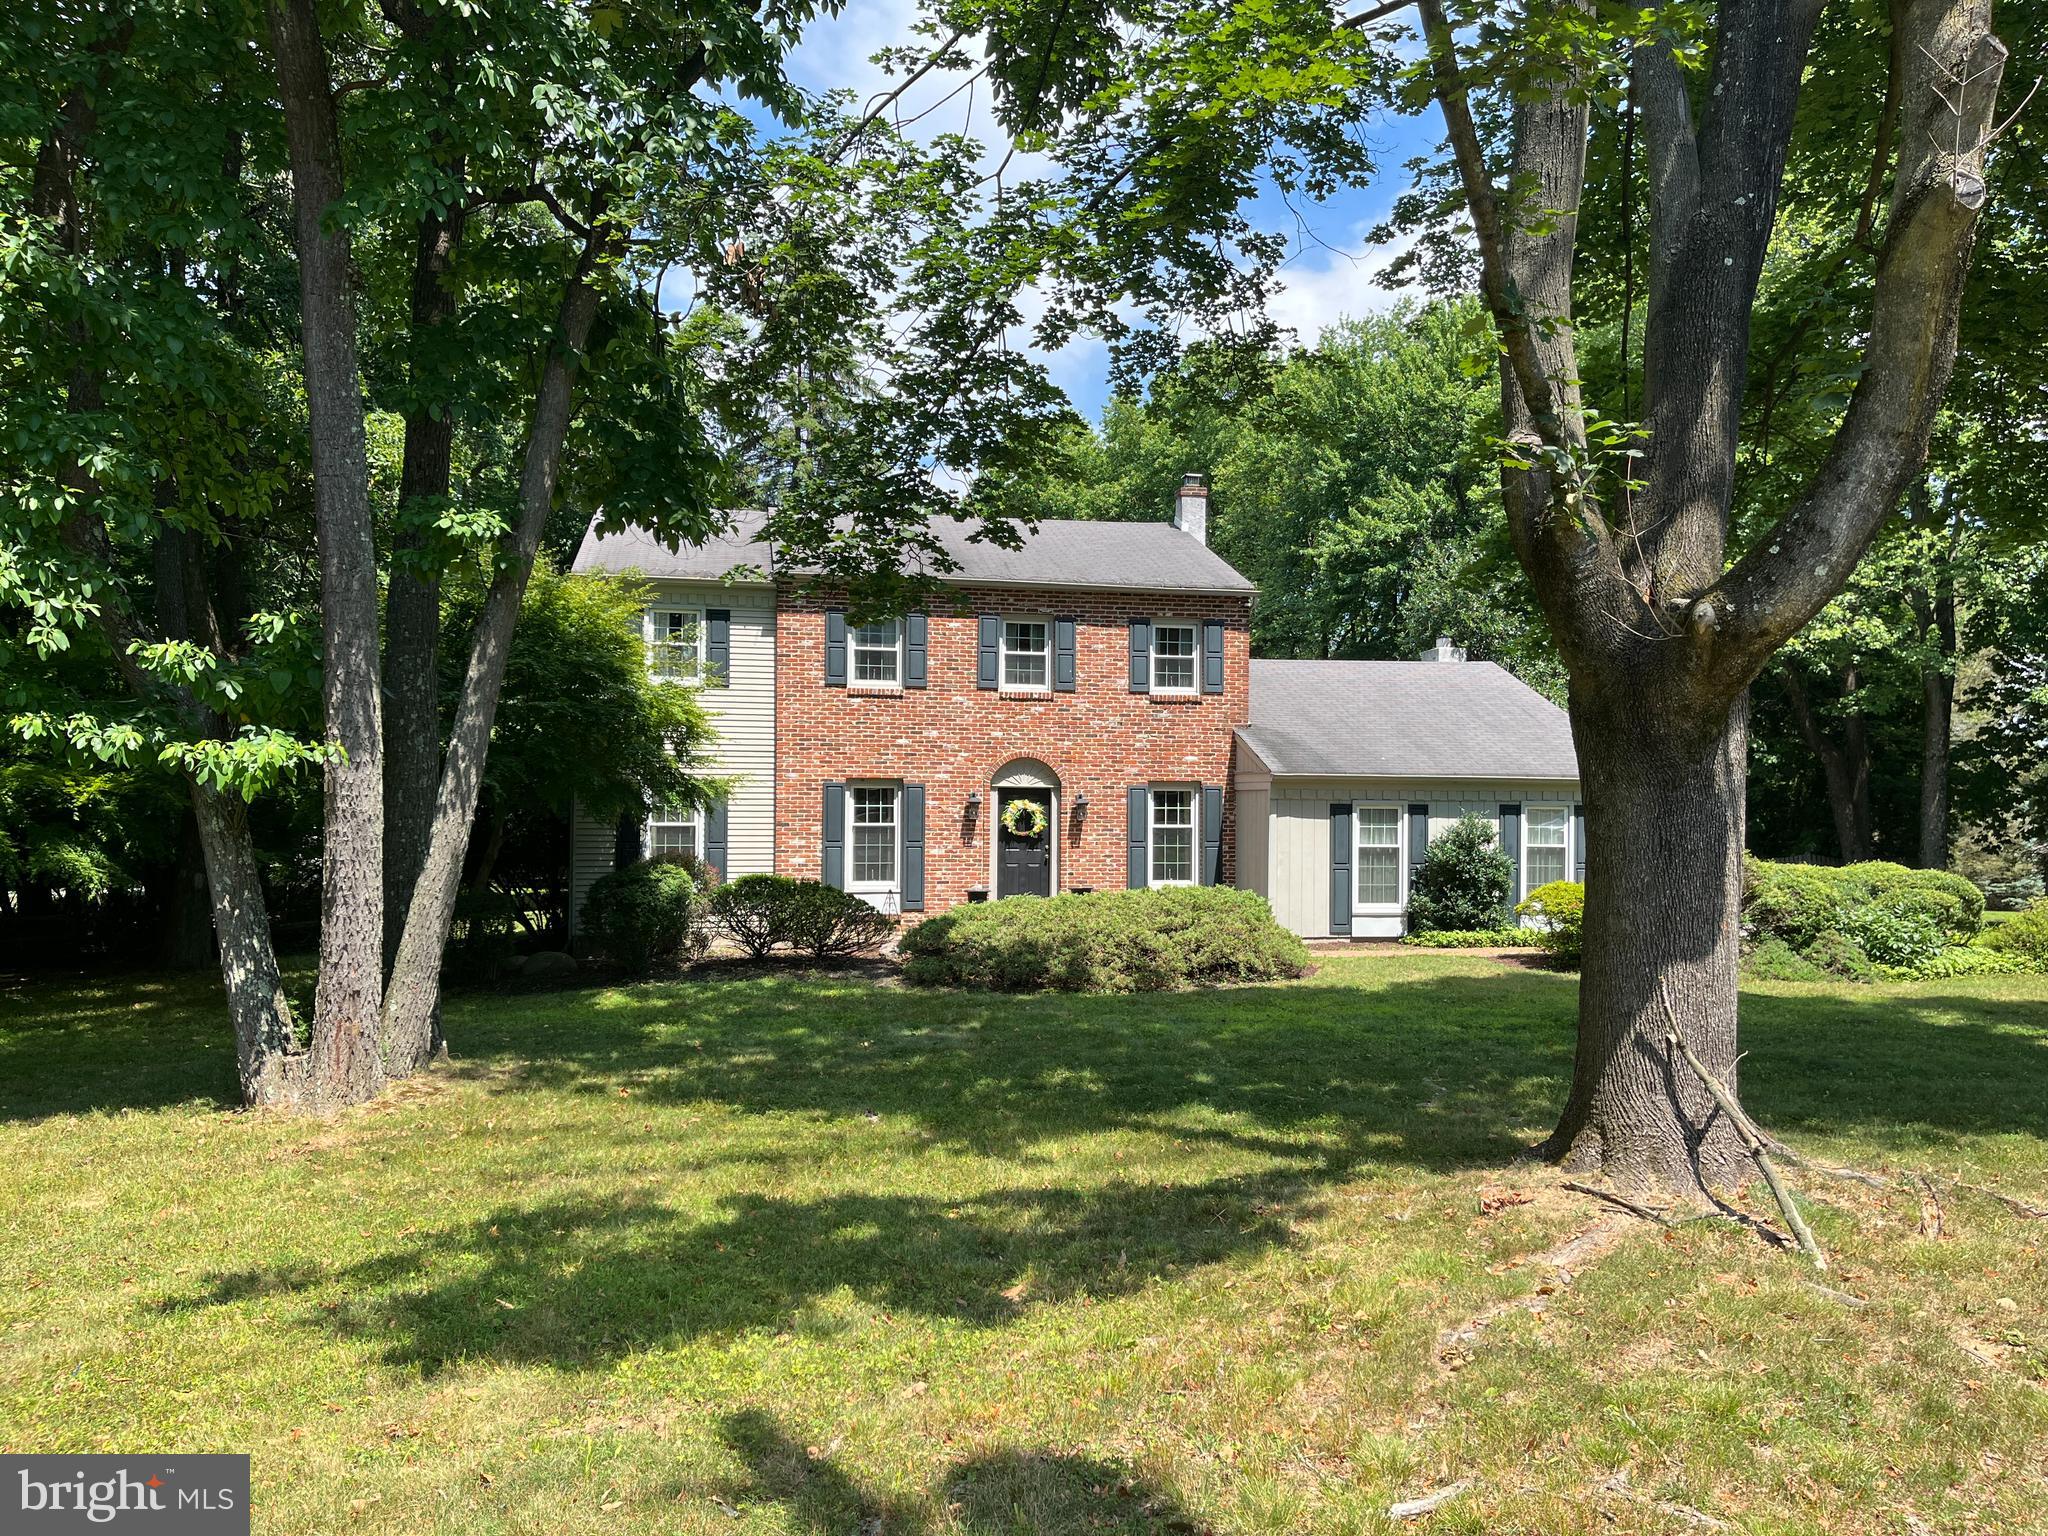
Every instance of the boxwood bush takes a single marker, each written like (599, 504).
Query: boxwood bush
(1464, 881)
(644, 915)
(1109, 941)
(1472, 938)
(2024, 935)
(1800, 902)
(1559, 909)
(763, 913)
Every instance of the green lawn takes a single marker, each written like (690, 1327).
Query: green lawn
(807, 1254)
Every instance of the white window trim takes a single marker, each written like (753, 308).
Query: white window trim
(873, 888)
(1400, 902)
(1194, 627)
(647, 640)
(693, 819)
(854, 648)
(1194, 794)
(1528, 885)
(1004, 653)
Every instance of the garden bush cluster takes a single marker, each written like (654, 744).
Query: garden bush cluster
(1863, 922)
(1471, 938)
(1559, 912)
(1463, 883)
(764, 913)
(645, 915)
(1109, 941)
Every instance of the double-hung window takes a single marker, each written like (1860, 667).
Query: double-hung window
(872, 809)
(675, 644)
(1027, 654)
(1173, 836)
(1544, 845)
(1174, 651)
(1379, 855)
(673, 829)
(878, 654)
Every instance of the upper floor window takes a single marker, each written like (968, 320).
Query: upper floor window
(1544, 845)
(675, 644)
(878, 653)
(673, 829)
(1379, 855)
(1027, 653)
(1174, 651)
(1173, 836)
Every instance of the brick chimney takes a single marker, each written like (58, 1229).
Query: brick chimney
(1443, 650)
(1191, 506)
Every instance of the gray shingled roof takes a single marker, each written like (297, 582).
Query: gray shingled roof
(1121, 557)
(1405, 719)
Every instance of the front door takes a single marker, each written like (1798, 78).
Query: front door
(1024, 857)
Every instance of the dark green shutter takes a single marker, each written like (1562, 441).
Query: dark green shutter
(1212, 656)
(1063, 655)
(914, 644)
(1137, 861)
(913, 847)
(1141, 655)
(833, 862)
(989, 653)
(714, 836)
(835, 648)
(1341, 895)
(1511, 845)
(626, 841)
(1212, 833)
(718, 647)
(1579, 843)
(1418, 840)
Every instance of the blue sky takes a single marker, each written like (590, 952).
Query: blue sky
(1329, 277)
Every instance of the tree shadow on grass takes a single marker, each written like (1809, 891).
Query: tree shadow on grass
(1004, 1493)
(573, 1283)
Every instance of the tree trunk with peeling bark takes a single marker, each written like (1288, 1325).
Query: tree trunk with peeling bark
(1661, 634)
(344, 1065)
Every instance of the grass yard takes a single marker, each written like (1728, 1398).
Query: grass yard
(805, 1254)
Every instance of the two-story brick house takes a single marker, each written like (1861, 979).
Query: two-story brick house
(1076, 714)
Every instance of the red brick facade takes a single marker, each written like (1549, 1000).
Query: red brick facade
(954, 737)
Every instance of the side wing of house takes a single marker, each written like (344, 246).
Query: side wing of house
(722, 638)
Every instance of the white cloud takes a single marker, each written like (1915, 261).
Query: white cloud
(1324, 286)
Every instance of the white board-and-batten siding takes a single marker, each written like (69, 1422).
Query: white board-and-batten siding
(744, 712)
(1297, 855)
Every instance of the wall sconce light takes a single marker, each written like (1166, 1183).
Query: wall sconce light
(1081, 805)
(974, 803)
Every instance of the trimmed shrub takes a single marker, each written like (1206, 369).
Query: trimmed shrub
(1839, 955)
(1775, 960)
(1799, 902)
(1560, 912)
(1881, 879)
(1109, 941)
(1472, 938)
(1793, 902)
(2025, 934)
(1464, 881)
(1902, 931)
(828, 923)
(704, 876)
(644, 915)
(758, 911)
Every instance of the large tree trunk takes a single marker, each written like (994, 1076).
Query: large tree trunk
(1936, 608)
(270, 1063)
(413, 999)
(345, 1066)
(1664, 840)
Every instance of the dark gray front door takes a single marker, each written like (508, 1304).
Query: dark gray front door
(1023, 864)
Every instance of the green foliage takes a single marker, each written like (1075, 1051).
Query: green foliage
(1775, 960)
(644, 915)
(1892, 914)
(759, 912)
(1839, 955)
(1965, 960)
(1559, 910)
(2024, 934)
(827, 923)
(1464, 880)
(1108, 941)
(1898, 931)
(1470, 938)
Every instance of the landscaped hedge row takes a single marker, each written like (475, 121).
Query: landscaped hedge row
(763, 913)
(1471, 938)
(1110, 941)
(1865, 922)
(667, 910)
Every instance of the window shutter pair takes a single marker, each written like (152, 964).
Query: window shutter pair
(1212, 656)
(910, 825)
(1579, 843)
(915, 647)
(714, 836)
(718, 648)
(1340, 869)
(1511, 845)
